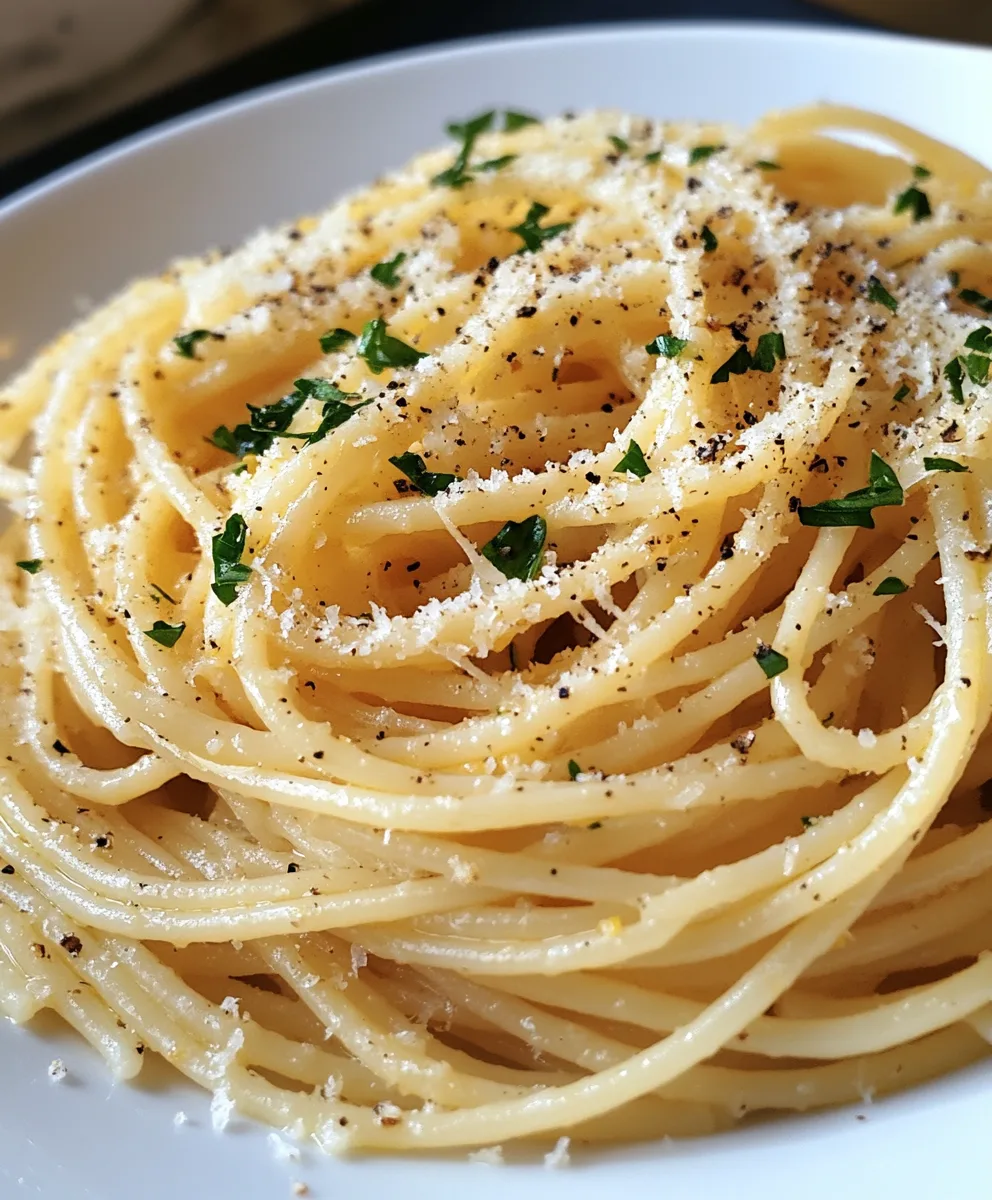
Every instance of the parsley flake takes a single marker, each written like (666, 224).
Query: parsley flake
(666, 345)
(518, 549)
(653, 157)
(977, 299)
(574, 770)
(766, 164)
(386, 272)
(879, 295)
(165, 634)
(431, 483)
(700, 154)
(921, 172)
(901, 394)
(495, 164)
(942, 464)
(977, 367)
(31, 565)
(530, 230)
(914, 201)
(619, 144)
(891, 585)
(185, 343)
(335, 339)
(980, 339)
(512, 121)
(770, 661)
(954, 374)
(710, 242)
(381, 350)
(883, 490)
(229, 571)
(634, 462)
(769, 350)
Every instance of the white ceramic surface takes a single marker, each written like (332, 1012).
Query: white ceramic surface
(213, 178)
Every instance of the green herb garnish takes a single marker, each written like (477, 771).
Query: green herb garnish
(770, 661)
(765, 164)
(31, 565)
(381, 350)
(530, 230)
(185, 343)
(634, 462)
(229, 571)
(901, 394)
(666, 345)
(977, 299)
(518, 549)
(163, 593)
(431, 483)
(574, 770)
(335, 339)
(654, 156)
(699, 154)
(512, 121)
(980, 339)
(879, 294)
(942, 464)
(883, 490)
(954, 374)
(468, 133)
(619, 144)
(769, 350)
(977, 367)
(386, 272)
(914, 201)
(165, 634)
(921, 172)
(891, 585)
(710, 242)
(495, 164)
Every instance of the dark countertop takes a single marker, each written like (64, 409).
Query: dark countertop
(376, 27)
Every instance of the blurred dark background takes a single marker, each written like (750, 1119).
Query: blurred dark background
(75, 78)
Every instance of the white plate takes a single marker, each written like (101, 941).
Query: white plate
(212, 179)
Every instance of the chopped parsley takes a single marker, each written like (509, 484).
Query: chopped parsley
(769, 350)
(954, 374)
(518, 549)
(165, 634)
(495, 164)
(653, 157)
(977, 299)
(618, 144)
(229, 571)
(980, 339)
(879, 295)
(977, 367)
(531, 231)
(942, 464)
(386, 272)
(269, 421)
(914, 201)
(431, 483)
(766, 164)
(185, 343)
(883, 490)
(710, 242)
(381, 350)
(574, 770)
(901, 394)
(634, 462)
(31, 565)
(921, 172)
(770, 661)
(891, 585)
(163, 593)
(666, 345)
(335, 339)
(512, 121)
(700, 154)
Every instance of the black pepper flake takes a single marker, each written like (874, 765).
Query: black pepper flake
(292, 868)
(563, 693)
(528, 310)
(60, 747)
(727, 547)
(71, 944)
(7, 870)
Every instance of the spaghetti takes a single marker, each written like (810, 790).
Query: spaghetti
(510, 655)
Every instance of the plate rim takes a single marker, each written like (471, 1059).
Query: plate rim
(438, 52)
